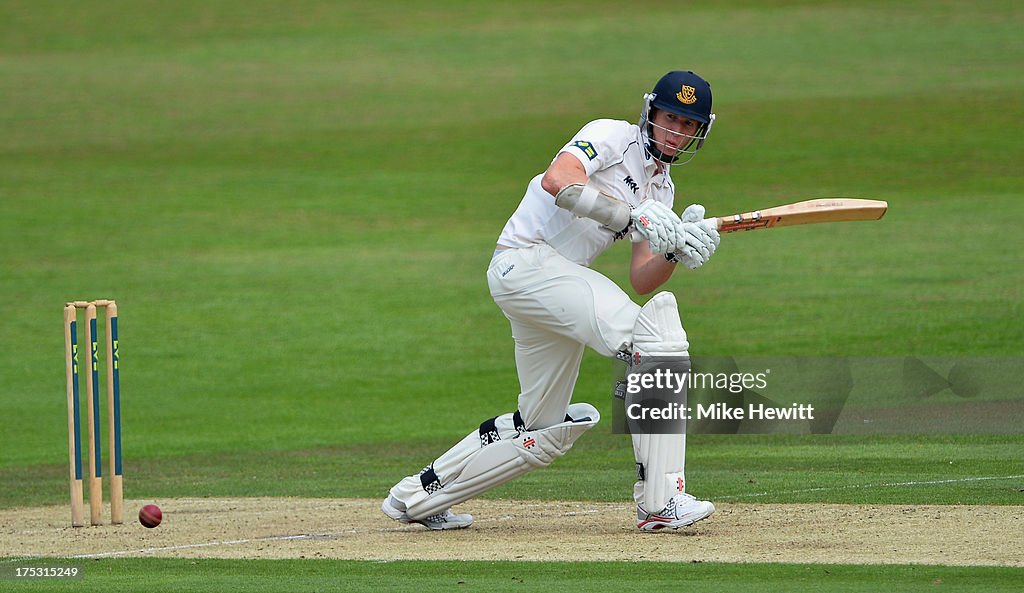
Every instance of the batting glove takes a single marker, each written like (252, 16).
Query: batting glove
(698, 240)
(656, 223)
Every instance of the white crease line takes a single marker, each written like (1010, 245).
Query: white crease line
(233, 542)
(861, 486)
(274, 538)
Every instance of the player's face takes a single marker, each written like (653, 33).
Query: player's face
(672, 133)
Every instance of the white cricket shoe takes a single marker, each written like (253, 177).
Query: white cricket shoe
(682, 510)
(396, 509)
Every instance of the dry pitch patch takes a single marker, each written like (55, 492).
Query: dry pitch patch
(532, 530)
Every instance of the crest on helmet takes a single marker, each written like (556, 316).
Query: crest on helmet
(687, 95)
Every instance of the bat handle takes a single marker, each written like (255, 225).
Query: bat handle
(716, 222)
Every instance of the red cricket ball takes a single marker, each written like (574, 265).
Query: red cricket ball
(150, 516)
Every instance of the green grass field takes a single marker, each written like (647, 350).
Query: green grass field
(294, 207)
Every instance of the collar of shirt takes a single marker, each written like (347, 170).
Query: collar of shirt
(659, 178)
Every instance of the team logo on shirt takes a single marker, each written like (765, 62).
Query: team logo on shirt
(587, 148)
(631, 184)
(687, 95)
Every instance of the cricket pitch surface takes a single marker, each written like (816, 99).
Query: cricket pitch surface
(530, 530)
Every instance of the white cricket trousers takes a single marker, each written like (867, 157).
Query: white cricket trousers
(556, 308)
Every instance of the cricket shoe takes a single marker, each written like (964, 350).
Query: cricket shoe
(682, 510)
(396, 509)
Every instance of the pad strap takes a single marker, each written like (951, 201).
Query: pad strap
(489, 428)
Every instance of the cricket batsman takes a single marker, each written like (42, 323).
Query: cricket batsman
(610, 182)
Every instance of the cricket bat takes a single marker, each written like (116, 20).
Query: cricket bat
(806, 212)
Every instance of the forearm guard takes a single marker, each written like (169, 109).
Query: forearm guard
(587, 202)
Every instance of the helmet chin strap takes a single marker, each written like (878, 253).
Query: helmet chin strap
(657, 152)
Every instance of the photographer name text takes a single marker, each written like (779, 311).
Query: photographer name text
(720, 411)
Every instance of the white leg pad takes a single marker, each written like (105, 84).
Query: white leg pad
(660, 458)
(510, 454)
(658, 330)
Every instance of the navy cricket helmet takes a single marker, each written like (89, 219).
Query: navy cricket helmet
(685, 94)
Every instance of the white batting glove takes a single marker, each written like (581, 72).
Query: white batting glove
(699, 239)
(695, 213)
(657, 223)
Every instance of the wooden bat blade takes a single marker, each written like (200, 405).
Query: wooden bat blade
(806, 212)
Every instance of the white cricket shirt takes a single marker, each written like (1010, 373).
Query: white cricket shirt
(618, 164)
